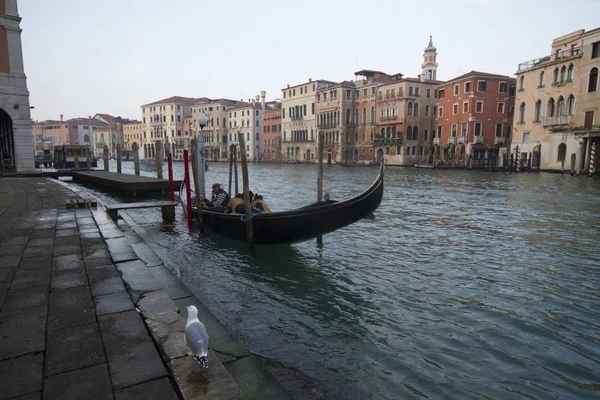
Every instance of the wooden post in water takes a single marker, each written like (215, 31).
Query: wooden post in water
(235, 168)
(170, 165)
(194, 152)
(88, 160)
(159, 156)
(118, 158)
(105, 150)
(320, 179)
(76, 162)
(136, 158)
(230, 169)
(249, 228)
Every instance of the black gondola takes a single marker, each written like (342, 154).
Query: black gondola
(355, 164)
(296, 225)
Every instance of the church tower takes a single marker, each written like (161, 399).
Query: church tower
(429, 65)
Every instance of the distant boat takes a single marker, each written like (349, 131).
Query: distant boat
(355, 164)
(295, 225)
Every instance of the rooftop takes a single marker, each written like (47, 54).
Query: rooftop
(176, 99)
(549, 59)
(478, 74)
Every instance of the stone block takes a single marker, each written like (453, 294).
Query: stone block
(42, 233)
(122, 327)
(73, 348)
(10, 261)
(92, 383)
(146, 254)
(12, 250)
(66, 240)
(120, 250)
(138, 279)
(101, 272)
(72, 318)
(37, 251)
(18, 299)
(106, 286)
(21, 376)
(41, 242)
(89, 254)
(68, 278)
(14, 240)
(113, 303)
(91, 234)
(67, 262)
(6, 274)
(174, 287)
(212, 383)
(60, 225)
(134, 363)
(31, 396)
(22, 332)
(66, 233)
(92, 262)
(66, 250)
(66, 300)
(160, 389)
(40, 262)
(31, 277)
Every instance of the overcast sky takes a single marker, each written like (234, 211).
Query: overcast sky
(87, 56)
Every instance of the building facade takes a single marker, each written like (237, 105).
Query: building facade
(334, 105)
(272, 133)
(16, 140)
(474, 119)
(246, 119)
(216, 131)
(132, 133)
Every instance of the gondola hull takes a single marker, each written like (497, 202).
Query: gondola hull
(300, 224)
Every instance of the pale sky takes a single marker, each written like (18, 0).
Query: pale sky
(88, 56)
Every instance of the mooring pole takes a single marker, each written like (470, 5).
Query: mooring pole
(230, 169)
(159, 157)
(249, 228)
(136, 158)
(235, 165)
(105, 157)
(320, 179)
(188, 193)
(118, 158)
(170, 165)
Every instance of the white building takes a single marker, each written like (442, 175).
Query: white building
(247, 119)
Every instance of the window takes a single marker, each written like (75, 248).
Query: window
(304, 109)
(538, 111)
(364, 117)
(467, 87)
(563, 74)
(463, 129)
(499, 130)
(441, 94)
(500, 108)
(465, 107)
(526, 136)
(364, 92)
(561, 106)
(593, 80)
(348, 116)
(562, 152)
(440, 112)
(428, 92)
(283, 113)
(415, 133)
(481, 86)
(454, 130)
(416, 110)
(355, 117)
(348, 94)
(456, 90)
(416, 91)
(410, 91)
(522, 111)
(425, 134)
(372, 115)
(312, 108)
(550, 108)
(410, 109)
(521, 83)
(454, 108)
(541, 81)
(479, 106)
(439, 131)
(595, 49)
(571, 105)
(555, 77)
(478, 128)
(427, 111)
(570, 73)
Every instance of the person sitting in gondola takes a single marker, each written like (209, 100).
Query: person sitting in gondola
(259, 202)
(219, 198)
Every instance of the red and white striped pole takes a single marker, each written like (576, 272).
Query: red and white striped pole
(186, 178)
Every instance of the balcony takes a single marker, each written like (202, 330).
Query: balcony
(554, 121)
(451, 140)
(327, 126)
(460, 139)
(436, 141)
(499, 140)
(389, 117)
(527, 65)
(478, 139)
(296, 117)
(387, 142)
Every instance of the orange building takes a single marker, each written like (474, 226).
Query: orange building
(474, 119)
(272, 133)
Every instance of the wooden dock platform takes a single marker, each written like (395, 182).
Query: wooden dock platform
(123, 182)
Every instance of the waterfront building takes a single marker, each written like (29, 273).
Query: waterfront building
(91, 132)
(272, 132)
(49, 133)
(16, 141)
(557, 104)
(132, 133)
(163, 119)
(246, 118)
(298, 121)
(474, 119)
(216, 131)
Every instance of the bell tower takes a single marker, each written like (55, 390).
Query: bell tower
(430, 64)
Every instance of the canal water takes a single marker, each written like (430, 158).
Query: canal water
(465, 285)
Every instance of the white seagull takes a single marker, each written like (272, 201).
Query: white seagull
(196, 337)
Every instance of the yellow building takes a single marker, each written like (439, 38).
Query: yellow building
(132, 133)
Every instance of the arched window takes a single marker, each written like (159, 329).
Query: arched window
(542, 76)
(348, 116)
(409, 133)
(382, 134)
(561, 106)
(416, 110)
(395, 110)
(550, 110)
(86, 138)
(521, 83)
(364, 120)
(570, 73)
(394, 132)
(410, 109)
(383, 112)
(373, 115)
(555, 78)
(387, 132)
(562, 152)
(538, 111)
(593, 80)
(356, 117)
(570, 105)
(563, 74)
(416, 133)
(522, 110)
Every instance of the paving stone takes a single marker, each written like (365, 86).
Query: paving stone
(3, 293)
(15, 232)
(21, 376)
(91, 234)
(31, 396)
(68, 278)
(67, 262)
(113, 303)
(46, 225)
(174, 287)
(110, 233)
(92, 383)
(66, 241)
(212, 383)
(31, 277)
(22, 332)
(14, 240)
(66, 300)
(65, 250)
(37, 251)
(146, 254)
(122, 327)
(65, 225)
(18, 299)
(72, 318)
(11, 250)
(120, 250)
(6, 274)
(159, 389)
(39, 262)
(92, 262)
(66, 233)
(10, 261)
(106, 286)
(42, 233)
(134, 363)
(101, 272)
(85, 221)
(40, 242)
(138, 279)
(72, 348)
(89, 254)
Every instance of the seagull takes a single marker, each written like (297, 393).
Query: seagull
(196, 337)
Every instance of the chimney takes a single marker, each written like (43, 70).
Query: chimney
(256, 98)
(263, 94)
(309, 80)
(422, 78)
(61, 117)
(288, 85)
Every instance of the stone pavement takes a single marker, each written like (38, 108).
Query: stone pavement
(88, 311)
